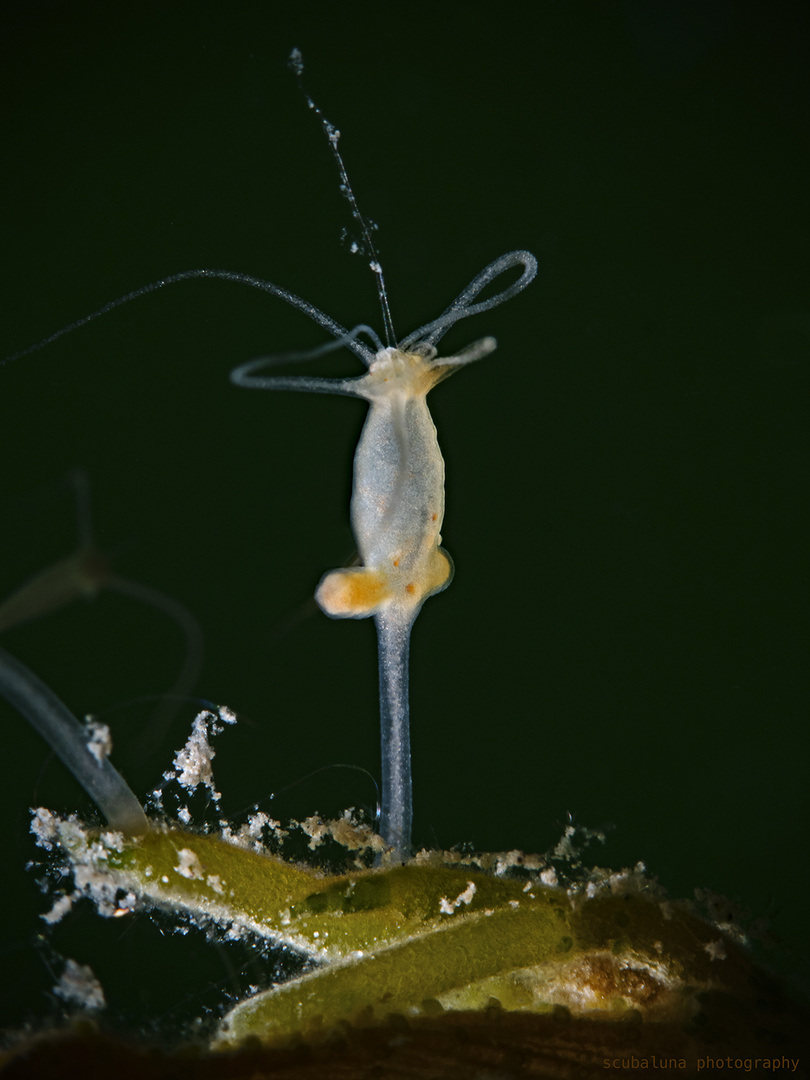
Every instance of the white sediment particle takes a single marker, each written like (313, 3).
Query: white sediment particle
(92, 879)
(569, 849)
(347, 830)
(60, 908)
(43, 826)
(88, 861)
(226, 715)
(127, 905)
(99, 739)
(316, 829)
(296, 62)
(447, 907)
(250, 834)
(468, 894)
(499, 863)
(78, 986)
(259, 821)
(189, 865)
(507, 860)
(355, 835)
(727, 915)
(213, 881)
(716, 949)
(549, 877)
(566, 849)
(629, 882)
(192, 764)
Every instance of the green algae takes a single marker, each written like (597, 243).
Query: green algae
(410, 939)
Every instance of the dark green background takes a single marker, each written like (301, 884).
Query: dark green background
(625, 639)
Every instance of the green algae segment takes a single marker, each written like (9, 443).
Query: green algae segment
(421, 938)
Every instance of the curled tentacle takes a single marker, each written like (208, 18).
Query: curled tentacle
(462, 306)
(244, 376)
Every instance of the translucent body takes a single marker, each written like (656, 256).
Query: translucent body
(397, 505)
(397, 511)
